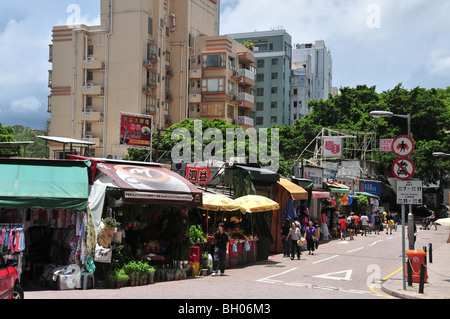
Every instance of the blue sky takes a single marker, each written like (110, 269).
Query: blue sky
(373, 42)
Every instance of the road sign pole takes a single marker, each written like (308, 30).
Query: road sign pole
(403, 247)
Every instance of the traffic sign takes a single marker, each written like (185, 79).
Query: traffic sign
(403, 146)
(403, 168)
(409, 192)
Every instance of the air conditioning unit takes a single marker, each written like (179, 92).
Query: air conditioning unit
(89, 136)
(88, 111)
(90, 59)
(114, 156)
(88, 86)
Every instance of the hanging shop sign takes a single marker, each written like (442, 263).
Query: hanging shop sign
(403, 146)
(198, 175)
(136, 130)
(403, 168)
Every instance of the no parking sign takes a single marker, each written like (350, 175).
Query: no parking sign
(403, 168)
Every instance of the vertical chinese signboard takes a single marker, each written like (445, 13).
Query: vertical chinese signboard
(136, 130)
(198, 175)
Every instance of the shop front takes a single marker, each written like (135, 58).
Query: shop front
(44, 216)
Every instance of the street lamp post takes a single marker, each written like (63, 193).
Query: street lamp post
(378, 114)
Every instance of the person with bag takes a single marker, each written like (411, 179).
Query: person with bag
(351, 225)
(310, 235)
(220, 250)
(284, 232)
(295, 235)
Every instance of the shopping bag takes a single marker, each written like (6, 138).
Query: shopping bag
(301, 241)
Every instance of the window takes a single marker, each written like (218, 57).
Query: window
(260, 63)
(275, 61)
(213, 85)
(214, 60)
(230, 87)
(259, 120)
(150, 104)
(274, 104)
(230, 111)
(295, 103)
(259, 91)
(259, 106)
(90, 76)
(89, 101)
(274, 76)
(231, 63)
(150, 26)
(295, 91)
(274, 90)
(273, 119)
(90, 50)
(260, 77)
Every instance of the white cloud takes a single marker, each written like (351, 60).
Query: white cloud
(439, 63)
(26, 105)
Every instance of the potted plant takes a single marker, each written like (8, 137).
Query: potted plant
(112, 223)
(151, 274)
(131, 269)
(112, 278)
(122, 278)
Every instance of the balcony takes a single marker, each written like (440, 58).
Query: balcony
(92, 116)
(245, 121)
(195, 98)
(246, 77)
(246, 100)
(93, 64)
(93, 89)
(90, 138)
(195, 74)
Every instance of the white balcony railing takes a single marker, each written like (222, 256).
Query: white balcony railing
(245, 120)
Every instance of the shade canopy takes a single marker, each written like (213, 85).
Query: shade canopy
(257, 203)
(44, 184)
(220, 203)
(297, 192)
(151, 185)
(367, 194)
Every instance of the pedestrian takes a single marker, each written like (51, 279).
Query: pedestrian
(351, 225)
(294, 234)
(364, 224)
(356, 224)
(390, 223)
(220, 250)
(310, 235)
(433, 219)
(377, 223)
(343, 228)
(396, 220)
(284, 232)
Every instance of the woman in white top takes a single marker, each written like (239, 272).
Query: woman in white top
(294, 234)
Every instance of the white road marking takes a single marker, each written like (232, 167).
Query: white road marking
(348, 275)
(350, 251)
(375, 242)
(267, 279)
(319, 261)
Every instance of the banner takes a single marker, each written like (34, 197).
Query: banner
(136, 130)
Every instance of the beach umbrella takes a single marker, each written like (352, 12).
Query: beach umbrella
(257, 203)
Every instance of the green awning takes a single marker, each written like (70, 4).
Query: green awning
(367, 194)
(339, 190)
(31, 185)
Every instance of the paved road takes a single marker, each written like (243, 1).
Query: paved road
(338, 270)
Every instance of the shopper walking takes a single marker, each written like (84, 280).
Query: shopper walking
(390, 223)
(220, 250)
(284, 232)
(364, 224)
(351, 225)
(310, 233)
(396, 220)
(294, 235)
(343, 228)
(377, 223)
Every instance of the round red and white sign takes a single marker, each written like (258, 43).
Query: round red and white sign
(403, 168)
(403, 146)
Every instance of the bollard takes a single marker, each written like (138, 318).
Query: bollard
(422, 278)
(430, 248)
(425, 257)
(409, 273)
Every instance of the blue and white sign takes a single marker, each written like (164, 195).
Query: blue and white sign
(371, 187)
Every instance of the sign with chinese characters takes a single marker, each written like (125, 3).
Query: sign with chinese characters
(136, 130)
(386, 144)
(315, 175)
(198, 175)
(332, 147)
(371, 187)
(409, 192)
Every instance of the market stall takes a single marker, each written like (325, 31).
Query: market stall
(150, 205)
(289, 196)
(44, 216)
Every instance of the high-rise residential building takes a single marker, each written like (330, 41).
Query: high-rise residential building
(311, 76)
(273, 52)
(138, 60)
(222, 80)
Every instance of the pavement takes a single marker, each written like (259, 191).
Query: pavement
(438, 285)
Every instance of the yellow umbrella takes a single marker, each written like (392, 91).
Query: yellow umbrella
(257, 203)
(220, 203)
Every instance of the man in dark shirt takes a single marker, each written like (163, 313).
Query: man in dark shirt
(220, 250)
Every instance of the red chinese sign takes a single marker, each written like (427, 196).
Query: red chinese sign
(136, 130)
(198, 175)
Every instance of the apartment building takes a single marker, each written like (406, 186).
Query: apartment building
(138, 60)
(222, 78)
(273, 55)
(312, 76)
